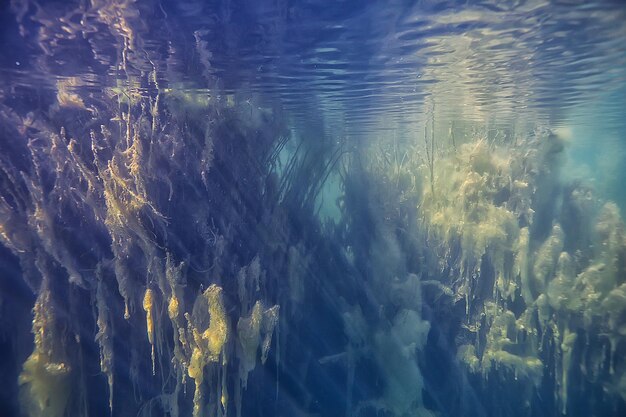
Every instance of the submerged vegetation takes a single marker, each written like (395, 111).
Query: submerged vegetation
(167, 237)
(534, 268)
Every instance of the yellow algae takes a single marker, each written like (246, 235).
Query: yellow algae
(207, 344)
(44, 380)
(197, 399)
(502, 336)
(173, 308)
(125, 197)
(126, 310)
(196, 365)
(148, 306)
(254, 331)
(121, 200)
(463, 208)
(121, 203)
(478, 206)
(217, 332)
(173, 275)
(528, 367)
(44, 386)
(224, 392)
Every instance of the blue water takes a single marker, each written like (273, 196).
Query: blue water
(312, 208)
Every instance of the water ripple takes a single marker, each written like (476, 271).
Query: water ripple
(355, 62)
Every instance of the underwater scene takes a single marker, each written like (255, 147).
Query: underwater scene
(312, 208)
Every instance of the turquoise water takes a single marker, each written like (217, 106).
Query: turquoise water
(312, 208)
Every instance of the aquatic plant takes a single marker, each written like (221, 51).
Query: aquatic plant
(166, 228)
(104, 188)
(530, 298)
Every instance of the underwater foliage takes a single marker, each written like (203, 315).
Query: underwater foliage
(123, 210)
(466, 252)
(535, 265)
(168, 237)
